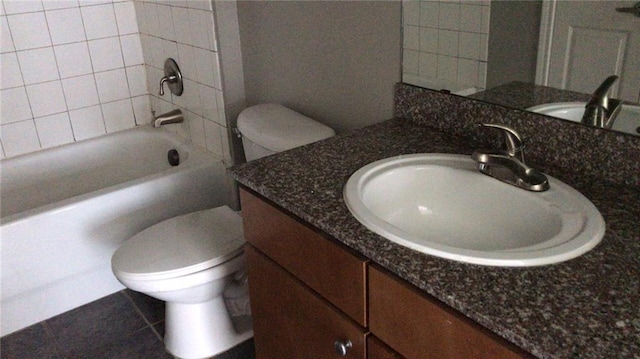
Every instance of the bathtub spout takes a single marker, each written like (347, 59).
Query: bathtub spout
(174, 116)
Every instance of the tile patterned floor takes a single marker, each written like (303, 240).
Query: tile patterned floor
(124, 325)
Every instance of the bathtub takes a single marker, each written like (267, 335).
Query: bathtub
(64, 211)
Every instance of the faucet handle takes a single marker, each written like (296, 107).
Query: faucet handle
(512, 139)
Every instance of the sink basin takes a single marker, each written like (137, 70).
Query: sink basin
(440, 204)
(628, 120)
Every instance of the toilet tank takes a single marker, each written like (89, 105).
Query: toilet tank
(271, 128)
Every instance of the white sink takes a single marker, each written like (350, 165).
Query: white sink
(628, 120)
(441, 205)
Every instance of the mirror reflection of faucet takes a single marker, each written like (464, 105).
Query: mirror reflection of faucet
(601, 111)
(172, 77)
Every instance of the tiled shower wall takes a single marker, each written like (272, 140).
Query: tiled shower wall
(445, 43)
(185, 31)
(70, 71)
(73, 70)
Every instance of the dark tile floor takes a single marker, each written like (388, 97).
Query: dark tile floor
(124, 325)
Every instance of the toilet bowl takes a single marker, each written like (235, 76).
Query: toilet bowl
(188, 261)
(193, 260)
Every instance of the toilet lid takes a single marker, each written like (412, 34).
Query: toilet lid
(181, 245)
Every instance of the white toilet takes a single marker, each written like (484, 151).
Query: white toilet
(190, 260)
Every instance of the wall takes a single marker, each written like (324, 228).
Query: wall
(445, 43)
(70, 71)
(336, 62)
(185, 31)
(513, 45)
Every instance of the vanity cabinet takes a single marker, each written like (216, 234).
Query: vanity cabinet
(310, 294)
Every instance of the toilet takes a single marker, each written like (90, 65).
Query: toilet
(195, 262)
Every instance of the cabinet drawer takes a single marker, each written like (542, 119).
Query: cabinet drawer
(417, 326)
(290, 321)
(325, 266)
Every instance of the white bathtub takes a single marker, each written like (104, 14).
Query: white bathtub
(64, 211)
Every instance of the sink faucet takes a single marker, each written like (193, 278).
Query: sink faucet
(601, 111)
(507, 164)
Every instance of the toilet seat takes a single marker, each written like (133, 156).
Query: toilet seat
(181, 246)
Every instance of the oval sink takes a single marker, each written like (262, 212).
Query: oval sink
(440, 204)
(628, 120)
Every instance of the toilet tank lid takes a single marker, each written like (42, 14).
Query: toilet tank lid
(278, 128)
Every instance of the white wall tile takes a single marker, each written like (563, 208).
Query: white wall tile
(80, 91)
(410, 61)
(66, 26)
(141, 18)
(136, 78)
(429, 13)
(106, 54)
(212, 133)
(411, 38)
(14, 105)
(54, 130)
(59, 4)
(131, 50)
(204, 66)
(181, 25)
(428, 40)
(142, 109)
(11, 74)
(19, 138)
(46, 98)
(29, 31)
(6, 41)
(99, 21)
(448, 42)
(73, 59)
(221, 119)
(428, 65)
(151, 15)
(126, 18)
(411, 12)
(118, 115)
(208, 102)
(449, 16)
(469, 45)
(199, 20)
(486, 18)
(169, 50)
(186, 62)
(470, 18)
(196, 129)
(166, 23)
(21, 6)
(38, 65)
(467, 72)
(112, 85)
(87, 122)
(448, 68)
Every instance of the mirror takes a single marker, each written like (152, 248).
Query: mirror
(476, 49)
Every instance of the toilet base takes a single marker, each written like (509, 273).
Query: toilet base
(200, 330)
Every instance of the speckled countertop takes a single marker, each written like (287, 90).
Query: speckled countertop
(588, 307)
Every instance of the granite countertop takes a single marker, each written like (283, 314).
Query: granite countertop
(523, 95)
(588, 307)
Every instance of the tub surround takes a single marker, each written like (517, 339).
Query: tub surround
(586, 307)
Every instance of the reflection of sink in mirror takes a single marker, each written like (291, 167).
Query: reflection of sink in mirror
(628, 120)
(442, 205)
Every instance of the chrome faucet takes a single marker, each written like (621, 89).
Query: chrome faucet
(174, 116)
(507, 164)
(601, 111)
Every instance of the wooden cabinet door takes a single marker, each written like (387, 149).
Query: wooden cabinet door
(291, 321)
(376, 349)
(418, 326)
(326, 267)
